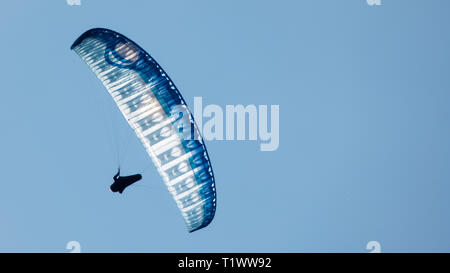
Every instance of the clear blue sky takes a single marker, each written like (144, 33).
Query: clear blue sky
(364, 126)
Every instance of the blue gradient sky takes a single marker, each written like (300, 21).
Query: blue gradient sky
(364, 126)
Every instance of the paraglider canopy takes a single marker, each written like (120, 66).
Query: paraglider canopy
(151, 104)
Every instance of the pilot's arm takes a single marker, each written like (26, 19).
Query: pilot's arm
(117, 175)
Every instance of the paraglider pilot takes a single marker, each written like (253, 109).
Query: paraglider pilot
(122, 182)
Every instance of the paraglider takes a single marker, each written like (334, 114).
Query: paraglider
(156, 111)
(122, 182)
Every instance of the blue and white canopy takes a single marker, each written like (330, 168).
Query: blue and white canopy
(155, 110)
